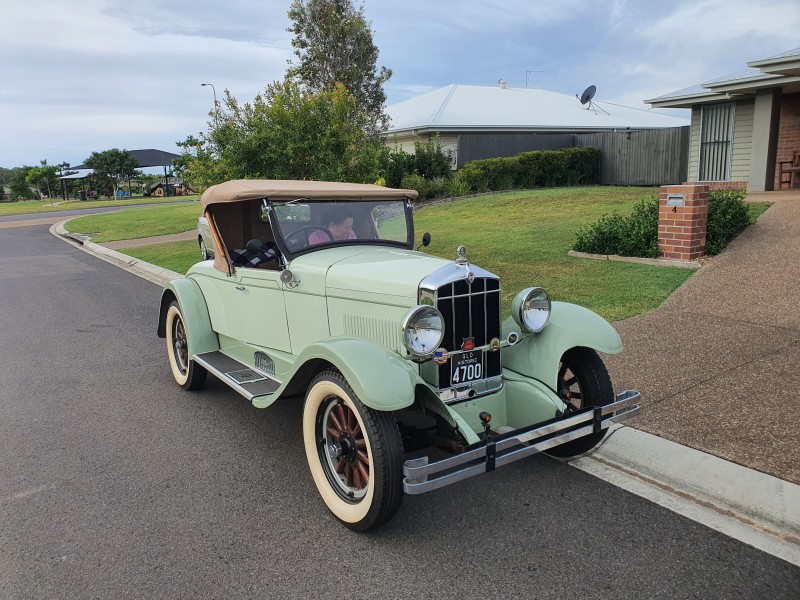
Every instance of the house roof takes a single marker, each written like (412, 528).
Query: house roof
(480, 108)
(780, 70)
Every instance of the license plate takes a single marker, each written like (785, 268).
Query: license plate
(466, 367)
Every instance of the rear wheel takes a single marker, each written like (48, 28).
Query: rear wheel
(354, 453)
(584, 377)
(203, 249)
(187, 373)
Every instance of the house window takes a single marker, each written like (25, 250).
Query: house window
(716, 136)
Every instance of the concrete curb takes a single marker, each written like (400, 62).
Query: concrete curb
(657, 262)
(145, 270)
(756, 508)
(753, 507)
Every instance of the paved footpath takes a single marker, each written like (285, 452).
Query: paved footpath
(718, 364)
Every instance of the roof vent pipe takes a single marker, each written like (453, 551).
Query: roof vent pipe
(501, 83)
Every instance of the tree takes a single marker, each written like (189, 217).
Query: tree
(285, 133)
(18, 184)
(333, 43)
(44, 179)
(114, 165)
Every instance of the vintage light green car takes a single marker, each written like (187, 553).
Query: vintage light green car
(411, 380)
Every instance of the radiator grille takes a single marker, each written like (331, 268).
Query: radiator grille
(470, 311)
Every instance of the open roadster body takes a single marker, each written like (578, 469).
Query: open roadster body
(411, 379)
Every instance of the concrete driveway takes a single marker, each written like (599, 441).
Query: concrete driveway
(718, 364)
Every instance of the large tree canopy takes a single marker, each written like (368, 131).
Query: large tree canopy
(285, 133)
(333, 44)
(116, 165)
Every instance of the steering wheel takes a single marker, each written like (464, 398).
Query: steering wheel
(296, 241)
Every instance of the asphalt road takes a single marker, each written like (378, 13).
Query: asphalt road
(116, 483)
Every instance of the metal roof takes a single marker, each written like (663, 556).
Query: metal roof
(473, 107)
(758, 74)
(148, 158)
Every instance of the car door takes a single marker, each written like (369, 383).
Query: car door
(255, 309)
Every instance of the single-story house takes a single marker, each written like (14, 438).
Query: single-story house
(475, 121)
(743, 124)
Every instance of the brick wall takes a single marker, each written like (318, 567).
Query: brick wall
(788, 132)
(682, 229)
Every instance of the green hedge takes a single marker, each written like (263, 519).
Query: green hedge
(548, 168)
(727, 218)
(637, 234)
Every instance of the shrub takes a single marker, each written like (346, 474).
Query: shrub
(457, 186)
(398, 163)
(635, 235)
(727, 218)
(429, 159)
(417, 182)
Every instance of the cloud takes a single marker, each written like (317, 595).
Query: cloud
(97, 74)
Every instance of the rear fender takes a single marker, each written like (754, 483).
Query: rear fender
(190, 298)
(538, 355)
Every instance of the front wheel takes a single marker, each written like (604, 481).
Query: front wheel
(585, 378)
(188, 374)
(354, 453)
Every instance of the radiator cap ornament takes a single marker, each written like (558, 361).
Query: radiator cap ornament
(461, 251)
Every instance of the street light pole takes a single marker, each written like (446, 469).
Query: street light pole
(213, 89)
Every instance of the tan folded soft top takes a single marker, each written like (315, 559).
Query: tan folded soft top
(284, 189)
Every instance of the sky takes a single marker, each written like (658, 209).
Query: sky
(78, 76)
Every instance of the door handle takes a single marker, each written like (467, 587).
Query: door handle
(241, 288)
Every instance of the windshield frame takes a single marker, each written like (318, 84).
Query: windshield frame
(278, 232)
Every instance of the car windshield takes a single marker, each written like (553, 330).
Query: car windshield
(303, 226)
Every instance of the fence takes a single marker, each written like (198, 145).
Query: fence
(643, 157)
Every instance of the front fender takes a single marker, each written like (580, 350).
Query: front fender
(199, 334)
(380, 378)
(571, 326)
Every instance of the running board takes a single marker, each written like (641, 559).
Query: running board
(249, 382)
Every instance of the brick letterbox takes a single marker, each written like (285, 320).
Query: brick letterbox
(682, 220)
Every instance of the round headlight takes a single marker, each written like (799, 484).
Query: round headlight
(531, 309)
(423, 330)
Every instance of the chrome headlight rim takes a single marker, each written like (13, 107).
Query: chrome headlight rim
(422, 311)
(521, 316)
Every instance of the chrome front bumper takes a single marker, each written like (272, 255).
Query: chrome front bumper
(423, 476)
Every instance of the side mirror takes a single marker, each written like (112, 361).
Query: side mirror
(426, 240)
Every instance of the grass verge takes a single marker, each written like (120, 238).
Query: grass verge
(175, 256)
(135, 223)
(36, 206)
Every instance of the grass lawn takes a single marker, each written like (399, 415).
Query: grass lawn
(521, 236)
(524, 237)
(756, 209)
(38, 206)
(137, 223)
(175, 256)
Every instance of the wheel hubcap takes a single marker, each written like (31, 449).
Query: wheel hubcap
(180, 346)
(343, 449)
(569, 388)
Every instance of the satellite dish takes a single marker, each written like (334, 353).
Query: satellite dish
(588, 94)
